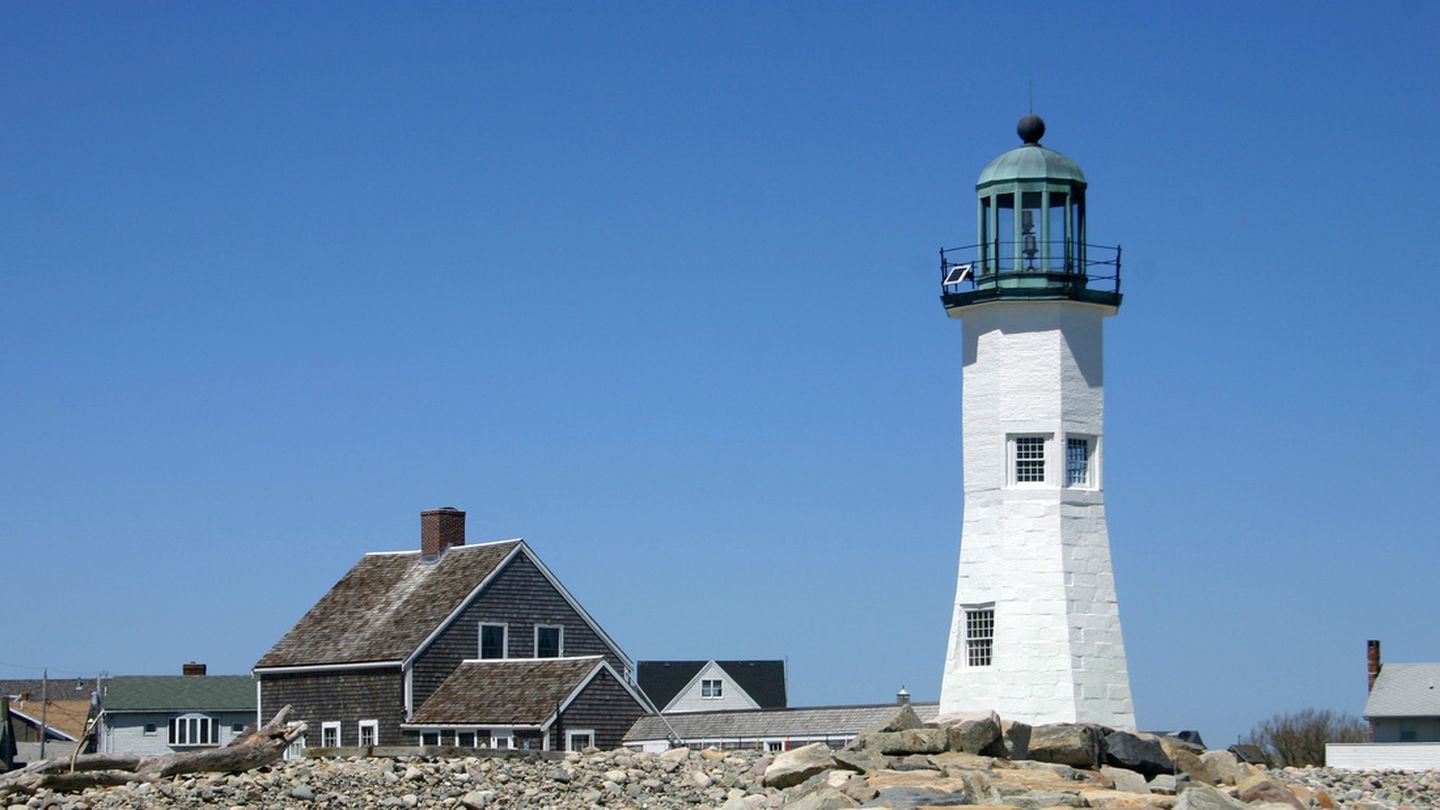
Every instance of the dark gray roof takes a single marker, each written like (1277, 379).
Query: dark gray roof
(507, 691)
(1405, 690)
(179, 693)
(764, 681)
(805, 723)
(385, 607)
(58, 688)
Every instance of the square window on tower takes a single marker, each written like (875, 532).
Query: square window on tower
(980, 636)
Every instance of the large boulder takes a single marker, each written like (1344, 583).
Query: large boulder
(860, 760)
(1079, 745)
(795, 766)
(1126, 780)
(1135, 753)
(903, 719)
(1196, 767)
(902, 743)
(970, 732)
(1204, 797)
(1014, 743)
(822, 798)
(1224, 765)
(1257, 789)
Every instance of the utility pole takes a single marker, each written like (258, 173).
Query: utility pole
(44, 705)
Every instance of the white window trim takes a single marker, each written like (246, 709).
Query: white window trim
(1012, 449)
(507, 736)
(373, 725)
(719, 688)
(559, 647)
(327, 726)
(210, 725)
(504, 640)
(1093, 481)
(977, 608)
(572, 733)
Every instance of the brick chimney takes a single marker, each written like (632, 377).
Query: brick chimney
(1372, 657)
(440, 529)
(192, 668)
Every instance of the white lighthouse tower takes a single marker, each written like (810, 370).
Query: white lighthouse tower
(1036, 630)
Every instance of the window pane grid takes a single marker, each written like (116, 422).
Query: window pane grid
(1030, 459)
(1077, 462)
(979, 637)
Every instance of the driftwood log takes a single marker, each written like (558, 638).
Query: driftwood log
(252, 749)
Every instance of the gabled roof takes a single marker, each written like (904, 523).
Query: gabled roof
(1405, 690)
(63, 717)
(764, 681)
(508, 691)
(387, 605)
(808, 723)
(179, 693)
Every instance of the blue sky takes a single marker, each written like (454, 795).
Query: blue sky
(654, 286)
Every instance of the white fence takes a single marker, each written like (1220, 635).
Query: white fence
(1406, 756)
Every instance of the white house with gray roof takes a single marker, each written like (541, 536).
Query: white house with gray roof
(1404, 713)
(164, 714)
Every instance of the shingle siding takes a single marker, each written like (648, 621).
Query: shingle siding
(344, 696)
(520, 597)
(603, 706)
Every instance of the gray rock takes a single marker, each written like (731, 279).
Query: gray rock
(795, 766)
(1144, 756)
(1126, 779)
(1163, 783)
(970, 732)
(1014, 741)
(1204, 797)
(304, 793)
(903, 719)
(1224, 765)
(1079, 745)
(822, 798)
(860, 761)
(910, 741)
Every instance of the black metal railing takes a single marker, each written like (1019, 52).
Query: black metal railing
(1030, 264)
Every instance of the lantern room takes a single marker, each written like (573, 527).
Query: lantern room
(1030, 233)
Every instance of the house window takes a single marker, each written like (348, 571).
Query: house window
(329, 735)
(429, 738)
(194, 730)
(502, 739)
(237, 728)
(493, 639)
(369, 733)
(150, 730)
(548, 641)
(465, 739)
(979, 636)
(1077, 462)
(579, 740)
(712, 688)
(1029, 459)
(774, 746)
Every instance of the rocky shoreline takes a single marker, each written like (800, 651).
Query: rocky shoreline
(902, 764)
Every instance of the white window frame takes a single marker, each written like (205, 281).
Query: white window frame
(474, 738)
(712, 688)
(559, 641)
(325, 729)
(571, 734)
(504, 641)
(428, 734)
(183, 730)
(1092, 461)
(979, 646)
(1013, 445)
(374, 726)
(502, 740)
(150, 729)
(296, 749)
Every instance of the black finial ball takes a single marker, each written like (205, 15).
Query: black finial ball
(1031, 129)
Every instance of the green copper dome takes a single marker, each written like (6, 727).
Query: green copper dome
(1031, 162)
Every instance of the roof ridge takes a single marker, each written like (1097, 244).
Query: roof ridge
(448, 549)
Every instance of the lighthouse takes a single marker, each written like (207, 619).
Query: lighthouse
(1035, 634)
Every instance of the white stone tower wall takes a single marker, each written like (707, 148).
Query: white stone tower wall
(1040, 552)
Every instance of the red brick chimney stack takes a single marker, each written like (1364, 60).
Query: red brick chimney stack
(192, 668)
(1372, 656)
(440, 529)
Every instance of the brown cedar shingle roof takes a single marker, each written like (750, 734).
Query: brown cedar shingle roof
(385, 606)
(512, 691)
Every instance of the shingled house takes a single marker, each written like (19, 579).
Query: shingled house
(450, 644)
